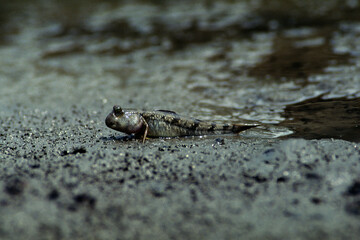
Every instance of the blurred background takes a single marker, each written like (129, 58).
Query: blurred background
(292, 63)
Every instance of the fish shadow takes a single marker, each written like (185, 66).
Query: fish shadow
(126, 138)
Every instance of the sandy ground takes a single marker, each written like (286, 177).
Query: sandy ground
(65, 175)
(69, 177)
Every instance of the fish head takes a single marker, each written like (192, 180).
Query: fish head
(124, 121)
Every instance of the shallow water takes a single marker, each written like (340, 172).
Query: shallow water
(324, 118)
(210, 61)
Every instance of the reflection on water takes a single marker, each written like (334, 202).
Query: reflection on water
(298, 57)
(324, 118)
(308, 12)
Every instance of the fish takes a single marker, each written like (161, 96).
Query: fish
(165, 123)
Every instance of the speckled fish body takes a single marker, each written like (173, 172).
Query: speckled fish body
(163, 123)
(167, 124)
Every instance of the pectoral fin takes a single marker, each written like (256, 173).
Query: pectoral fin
(146, 129)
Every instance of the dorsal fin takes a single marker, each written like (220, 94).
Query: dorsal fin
(167, 111)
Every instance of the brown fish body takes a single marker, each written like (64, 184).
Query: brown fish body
(163, 123)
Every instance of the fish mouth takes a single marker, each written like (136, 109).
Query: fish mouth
(110, 120)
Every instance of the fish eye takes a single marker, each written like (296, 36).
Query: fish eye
(118, 110)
